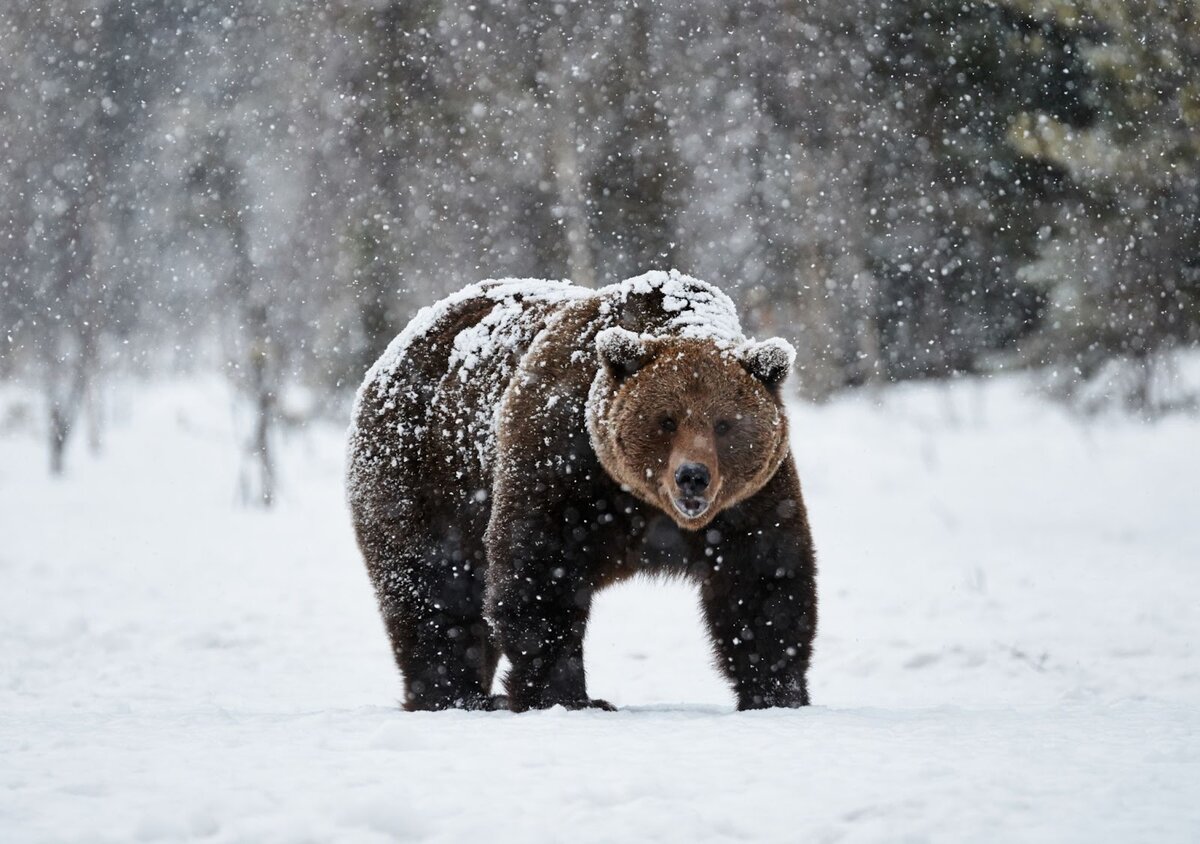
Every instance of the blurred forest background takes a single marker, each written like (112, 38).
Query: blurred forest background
(910, 189)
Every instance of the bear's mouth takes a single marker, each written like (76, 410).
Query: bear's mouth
(691, 508)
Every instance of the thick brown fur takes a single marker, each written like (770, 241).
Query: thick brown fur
(491, 506)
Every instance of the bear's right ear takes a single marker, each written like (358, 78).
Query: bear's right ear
(621, 352)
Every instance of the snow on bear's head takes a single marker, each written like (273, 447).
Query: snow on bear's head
(689, 425)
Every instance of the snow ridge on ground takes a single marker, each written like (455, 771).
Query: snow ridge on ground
(1006, 652)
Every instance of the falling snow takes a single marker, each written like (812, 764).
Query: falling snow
(969, 231)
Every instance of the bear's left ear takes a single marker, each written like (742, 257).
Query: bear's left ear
(621, 351)
(769, 361)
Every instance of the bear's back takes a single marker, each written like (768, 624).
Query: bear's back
(425, 418)
(427, 405)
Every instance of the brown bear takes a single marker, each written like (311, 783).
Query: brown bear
(523, 443)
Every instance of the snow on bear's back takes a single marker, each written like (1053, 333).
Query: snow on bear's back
(401, 404)
(693, 308)
(507, 293)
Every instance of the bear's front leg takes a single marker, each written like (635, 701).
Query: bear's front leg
(759, 599)
(538, 602)
(762, 630)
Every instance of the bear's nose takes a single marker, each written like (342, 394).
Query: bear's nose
(692, 479)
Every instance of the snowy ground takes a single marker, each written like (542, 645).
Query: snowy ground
(1008, 651)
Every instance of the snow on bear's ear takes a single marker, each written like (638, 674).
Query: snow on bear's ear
(769, 361)
(621, 351)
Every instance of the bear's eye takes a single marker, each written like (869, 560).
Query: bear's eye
(722, 427)
(667, 424)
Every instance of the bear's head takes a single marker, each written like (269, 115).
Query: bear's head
(687, 425)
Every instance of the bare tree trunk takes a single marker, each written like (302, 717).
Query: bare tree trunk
(260, 386)
(262, 396)
(93, 412)
(60, 431)
(254, 351)
(564, 158)
(864, 292)
(71, 357)
(65, 404)
(816, 322)
(570, 197)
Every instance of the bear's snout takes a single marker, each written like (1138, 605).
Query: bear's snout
(694, 490)
(692, 482)
(692, 479)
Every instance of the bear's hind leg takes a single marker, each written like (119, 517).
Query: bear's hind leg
(447, 660)
(432, 606)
